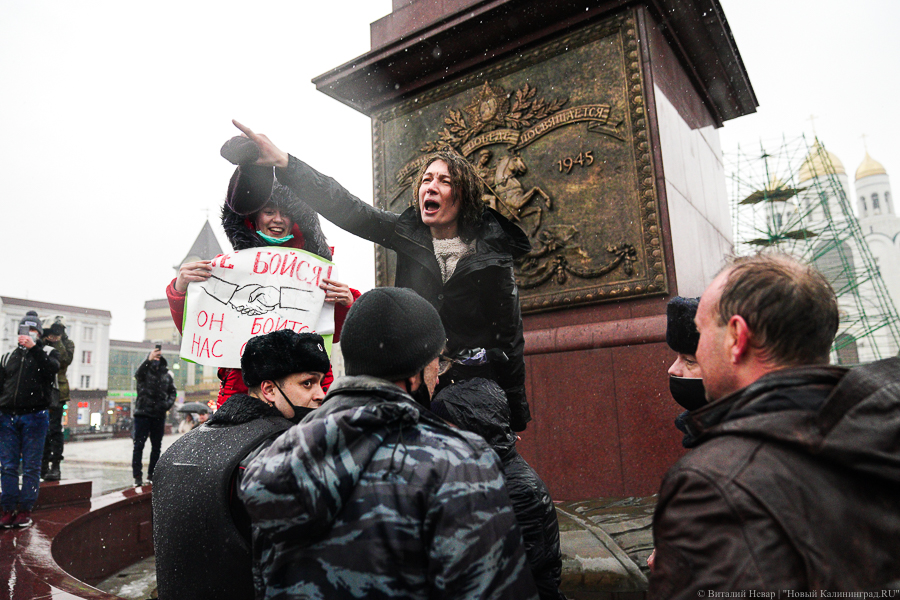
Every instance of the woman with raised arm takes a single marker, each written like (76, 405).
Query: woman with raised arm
(451, 249)
(257, 213)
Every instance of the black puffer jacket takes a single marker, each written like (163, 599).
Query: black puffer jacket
(26, 377)
(793, 484)
(479, 304)
(479, 406)
(155, 389)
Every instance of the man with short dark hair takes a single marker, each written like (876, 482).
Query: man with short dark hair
(201, 531)
(795, 473)
(374, 497)
(26, 376)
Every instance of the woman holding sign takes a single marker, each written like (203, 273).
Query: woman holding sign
(259, 212)
(451, 249)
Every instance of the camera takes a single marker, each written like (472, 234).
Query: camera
(24, 329)
(159, 347)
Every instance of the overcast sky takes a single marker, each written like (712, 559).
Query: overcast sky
(113, 113)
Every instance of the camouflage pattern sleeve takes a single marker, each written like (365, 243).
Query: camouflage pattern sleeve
(476, 549)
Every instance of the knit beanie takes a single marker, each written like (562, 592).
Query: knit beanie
(251, 184)
(32, 321)
(276, 355)
(681, 332)
(391, 333)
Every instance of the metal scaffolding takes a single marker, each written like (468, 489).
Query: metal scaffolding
(790, 196)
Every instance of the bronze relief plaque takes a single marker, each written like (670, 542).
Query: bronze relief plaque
(559, 135)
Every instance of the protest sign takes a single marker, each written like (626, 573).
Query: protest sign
(252, 292)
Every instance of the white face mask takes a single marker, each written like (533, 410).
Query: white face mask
(34, 335)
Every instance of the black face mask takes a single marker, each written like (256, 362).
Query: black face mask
(299, 411)
(422, 396)
(688, 392)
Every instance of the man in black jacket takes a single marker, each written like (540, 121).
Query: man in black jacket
(26, 376)
(201, 531)
(793, 482)
(155, 396)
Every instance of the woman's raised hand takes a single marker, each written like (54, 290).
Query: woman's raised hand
(269, 154)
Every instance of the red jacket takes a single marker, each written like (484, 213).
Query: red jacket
(231, 380)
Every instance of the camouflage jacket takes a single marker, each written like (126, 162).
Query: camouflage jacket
(373, 497)
(66, 349)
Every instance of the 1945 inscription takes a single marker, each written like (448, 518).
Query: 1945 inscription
(559, 137)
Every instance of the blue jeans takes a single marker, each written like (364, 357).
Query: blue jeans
(21, 439)
(143, 427)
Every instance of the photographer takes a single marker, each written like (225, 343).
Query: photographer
(55, 336)
(26, 377)
(155, 396)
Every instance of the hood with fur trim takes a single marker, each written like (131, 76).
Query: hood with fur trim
(242, 233)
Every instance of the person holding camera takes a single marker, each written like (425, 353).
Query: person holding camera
(55, 336)
(26, 377)
(155, 396)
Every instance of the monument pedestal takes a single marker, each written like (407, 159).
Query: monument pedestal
(593, 125)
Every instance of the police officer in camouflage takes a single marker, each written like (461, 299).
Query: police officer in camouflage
(372, 496)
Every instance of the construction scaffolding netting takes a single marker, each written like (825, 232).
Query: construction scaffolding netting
(792, 196)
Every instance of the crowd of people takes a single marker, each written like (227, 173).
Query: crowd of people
(383, 491)
(402, 479)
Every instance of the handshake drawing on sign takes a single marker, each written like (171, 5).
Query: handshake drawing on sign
(254, 299)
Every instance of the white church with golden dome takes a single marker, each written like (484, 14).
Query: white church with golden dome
(853, 239)
(879, 228)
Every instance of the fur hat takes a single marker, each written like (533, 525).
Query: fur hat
(281, 353)
(681, 332)
(391, 333)
(31, 319)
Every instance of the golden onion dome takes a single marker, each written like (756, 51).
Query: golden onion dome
(815, 166)
(869, 166)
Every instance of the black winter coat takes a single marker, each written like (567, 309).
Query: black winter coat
(478, 405)
(26, 378)
(201, 530)
(793, 484)
(155, 389)
(479, 304)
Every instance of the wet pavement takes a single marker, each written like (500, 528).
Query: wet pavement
(137, 582)
(106, 462)
(605, 541)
